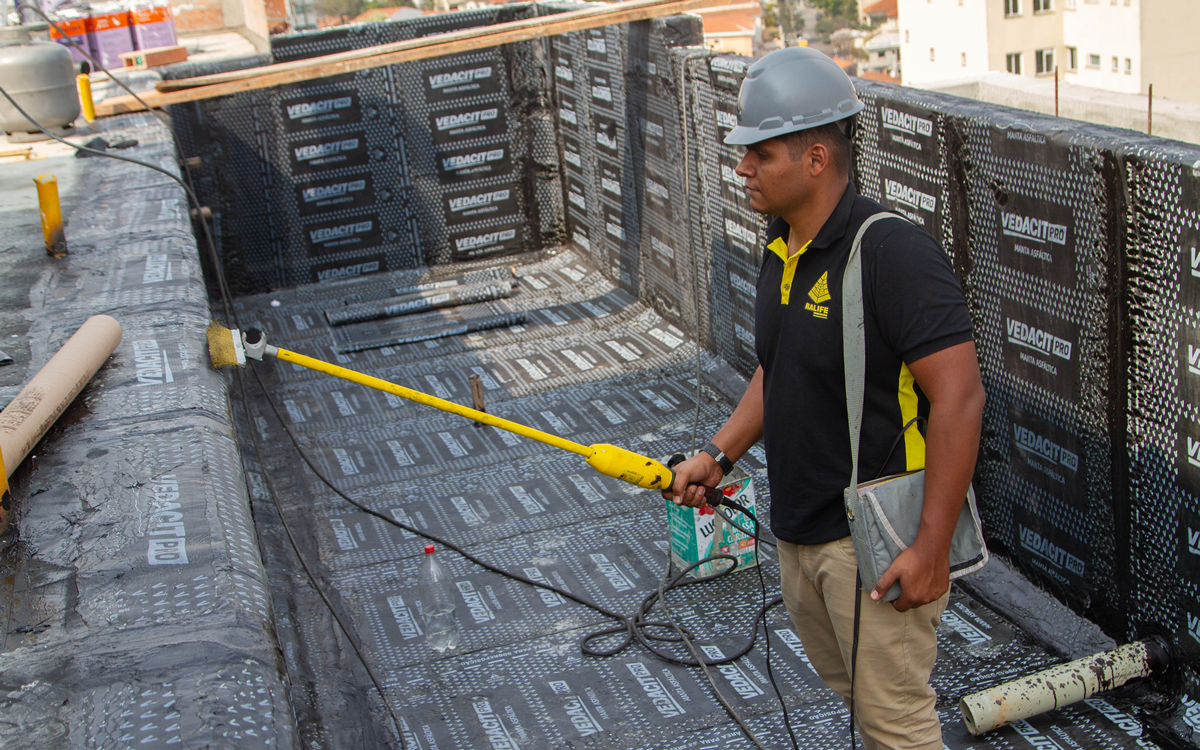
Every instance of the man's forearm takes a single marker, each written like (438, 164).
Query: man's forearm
(744, 427)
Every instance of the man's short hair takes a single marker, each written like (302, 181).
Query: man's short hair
(833, 135)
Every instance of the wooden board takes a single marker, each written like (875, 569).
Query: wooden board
(153, 57)
(391, 54)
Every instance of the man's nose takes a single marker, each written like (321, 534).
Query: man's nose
(743, 167)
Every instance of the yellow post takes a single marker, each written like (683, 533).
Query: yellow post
(85, 96)
(52, 224)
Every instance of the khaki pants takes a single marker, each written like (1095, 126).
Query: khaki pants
(894, 703)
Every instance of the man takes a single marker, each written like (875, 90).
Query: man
(794, 107)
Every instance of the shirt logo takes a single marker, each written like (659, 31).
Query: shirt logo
(818, 294)
(820, 291)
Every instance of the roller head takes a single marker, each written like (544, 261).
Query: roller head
(225, 346)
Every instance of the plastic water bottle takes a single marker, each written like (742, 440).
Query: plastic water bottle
(437, 604)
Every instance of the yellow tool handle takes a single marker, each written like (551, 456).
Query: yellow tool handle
(631, 467)
(440, 403)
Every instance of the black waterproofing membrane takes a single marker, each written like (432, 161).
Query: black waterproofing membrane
(156, 599)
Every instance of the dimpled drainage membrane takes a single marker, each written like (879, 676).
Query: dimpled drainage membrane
(610, 371)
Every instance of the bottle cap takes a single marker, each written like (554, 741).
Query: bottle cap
(429, 549)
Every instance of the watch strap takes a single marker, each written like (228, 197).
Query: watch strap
(719, 456)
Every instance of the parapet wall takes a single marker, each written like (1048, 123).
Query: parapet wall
(1075, 245)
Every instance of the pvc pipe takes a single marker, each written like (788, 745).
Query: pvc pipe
(52, 223)
(1062, 685)
(25, 420)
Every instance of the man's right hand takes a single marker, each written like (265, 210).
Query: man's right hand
(691, 478)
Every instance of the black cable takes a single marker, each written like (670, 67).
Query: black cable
(229, 311)
(348, 631)
(157, 112)
(163, 118)
(635, 628)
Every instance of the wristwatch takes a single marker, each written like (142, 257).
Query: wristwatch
(720, 457)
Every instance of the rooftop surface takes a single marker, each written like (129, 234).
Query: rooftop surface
(238, 649)
(593, 365)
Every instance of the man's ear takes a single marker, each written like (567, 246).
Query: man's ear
(819, 159)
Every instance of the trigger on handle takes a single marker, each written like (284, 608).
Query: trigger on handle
(712, 496)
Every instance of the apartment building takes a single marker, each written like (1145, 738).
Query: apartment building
(1116, 45)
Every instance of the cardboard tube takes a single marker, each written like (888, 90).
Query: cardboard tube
(43, 399)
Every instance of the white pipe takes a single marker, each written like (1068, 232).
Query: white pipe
(1061, 685)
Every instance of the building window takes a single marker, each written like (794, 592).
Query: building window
(1069, 4)
(931, 54)
(1012, 7)
(1043, 60)
(964, 59)
(1094, 61)
(1116, 65)
(1013, 62)
(1072, 58)
(1043, 6)
(1128, 66)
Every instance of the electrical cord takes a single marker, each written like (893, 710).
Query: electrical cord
(348, 631)
(162, 116)
(687, 188)
(637, 627)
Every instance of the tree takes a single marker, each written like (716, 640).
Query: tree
(846, 8)
(340, 8)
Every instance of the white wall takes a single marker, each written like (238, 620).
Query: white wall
(952, 28)
(1110, 30)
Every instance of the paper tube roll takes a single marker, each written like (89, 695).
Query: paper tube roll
(39, 404)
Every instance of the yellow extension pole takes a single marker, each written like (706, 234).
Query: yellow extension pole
(84, 82)
(434, 401)
(52, 224)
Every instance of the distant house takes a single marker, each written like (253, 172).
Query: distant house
(735, 28)
(883, 54)
(882, 15)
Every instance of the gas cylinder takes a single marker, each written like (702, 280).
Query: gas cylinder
(40, 76)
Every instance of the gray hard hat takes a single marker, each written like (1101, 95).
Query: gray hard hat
(791, 89)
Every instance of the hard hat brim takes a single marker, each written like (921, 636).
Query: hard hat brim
(745, 135)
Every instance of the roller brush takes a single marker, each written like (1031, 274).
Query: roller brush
(230, 347)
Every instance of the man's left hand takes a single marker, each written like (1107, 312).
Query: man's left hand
(923, 578)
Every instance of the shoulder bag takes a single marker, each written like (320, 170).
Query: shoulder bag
(885, 513)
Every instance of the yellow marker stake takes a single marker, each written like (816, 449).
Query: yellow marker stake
(52, 224)
(85, 96)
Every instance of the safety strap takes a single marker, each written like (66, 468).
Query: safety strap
(854, 360)
(854, 344)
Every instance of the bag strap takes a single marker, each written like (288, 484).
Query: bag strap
(854, 345)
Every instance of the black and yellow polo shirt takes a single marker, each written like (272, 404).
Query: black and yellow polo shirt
(913, 307)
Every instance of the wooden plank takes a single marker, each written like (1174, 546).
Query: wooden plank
(442, 44)
(454, 36)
